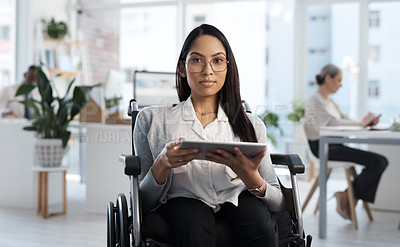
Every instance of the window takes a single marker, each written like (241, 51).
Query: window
(325, 24)
(5, 32)
(4, 75)
(321, 51)
(320, 18)
(374, 53)
(374, 19)
(151, 43)
(7, 43)
(373, 89)
(199, 19)
(383, 69)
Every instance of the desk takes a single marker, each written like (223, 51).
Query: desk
(105, 178)
(17, 181)
(337, 134)
(100, 148)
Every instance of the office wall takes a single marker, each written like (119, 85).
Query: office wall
(100, 30)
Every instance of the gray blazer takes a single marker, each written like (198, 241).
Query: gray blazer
(323, 112)
(157, 125)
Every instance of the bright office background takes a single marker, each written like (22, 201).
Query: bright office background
(279, 45)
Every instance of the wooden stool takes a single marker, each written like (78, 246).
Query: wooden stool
(43, 172)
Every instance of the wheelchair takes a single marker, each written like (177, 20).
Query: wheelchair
(125, 230)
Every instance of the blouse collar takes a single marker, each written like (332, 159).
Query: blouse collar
(188, 112)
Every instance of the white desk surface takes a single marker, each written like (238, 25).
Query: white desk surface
(360, 132)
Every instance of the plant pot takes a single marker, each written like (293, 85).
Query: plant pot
(298, 131)
(49, 152)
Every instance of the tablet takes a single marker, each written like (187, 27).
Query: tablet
(248, 148)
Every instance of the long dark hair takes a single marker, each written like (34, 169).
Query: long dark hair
(229, 95)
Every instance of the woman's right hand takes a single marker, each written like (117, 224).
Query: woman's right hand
(172, 157)
(369, 120)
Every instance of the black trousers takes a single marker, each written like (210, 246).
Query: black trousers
(193, 223)
(366, 184)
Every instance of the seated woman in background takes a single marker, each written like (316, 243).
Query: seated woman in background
(189, 193)
(321, 110)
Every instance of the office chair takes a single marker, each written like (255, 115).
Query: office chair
(350, 171)
(124, 230)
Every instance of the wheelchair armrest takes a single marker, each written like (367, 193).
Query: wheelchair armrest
(292, 161)
(131, 164)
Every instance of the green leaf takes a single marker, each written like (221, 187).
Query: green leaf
(298, 111)
(69, 88)
(272, 139)
(80, 98)
(65, 137)
(30, 128)
(44, 87)
(271, 121)
(31, 103)
(24, 89)
(62, 113)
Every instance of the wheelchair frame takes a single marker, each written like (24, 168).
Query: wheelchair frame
(117, 215)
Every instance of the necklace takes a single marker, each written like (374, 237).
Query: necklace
(205, 113)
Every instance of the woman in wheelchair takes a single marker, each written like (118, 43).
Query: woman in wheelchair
(190, 193)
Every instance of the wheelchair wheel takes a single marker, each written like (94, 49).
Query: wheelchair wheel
(111, 230)
(122, 221)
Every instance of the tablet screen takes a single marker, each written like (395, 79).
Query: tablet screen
(248, 148)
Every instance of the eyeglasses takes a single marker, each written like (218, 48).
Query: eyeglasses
(196, 65)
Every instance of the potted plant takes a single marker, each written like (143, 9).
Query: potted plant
(296, 116)
(56, 30)
(52, 116)
(395, 126)
(298, 110)
(112, 105)
(271, 121)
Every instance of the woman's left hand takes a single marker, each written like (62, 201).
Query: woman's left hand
(245, 167)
